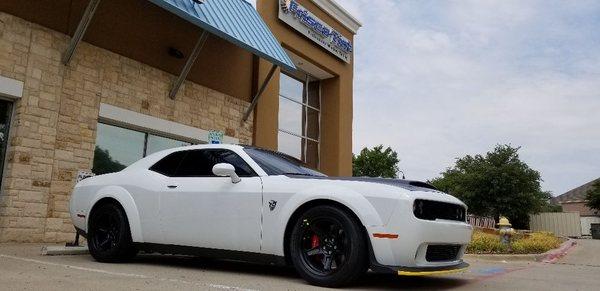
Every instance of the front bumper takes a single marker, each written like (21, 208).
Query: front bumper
(409, 237)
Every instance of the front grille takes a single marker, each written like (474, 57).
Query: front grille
(432, 210)
(442, 253)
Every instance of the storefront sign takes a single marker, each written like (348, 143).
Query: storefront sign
(314, 28)
(215, 136)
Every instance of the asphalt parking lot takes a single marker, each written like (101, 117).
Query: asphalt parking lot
(23, 268)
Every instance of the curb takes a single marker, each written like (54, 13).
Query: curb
(64, 251)
(503, 257)
(552, 256)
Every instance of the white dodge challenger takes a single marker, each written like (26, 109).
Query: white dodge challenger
(246, 203)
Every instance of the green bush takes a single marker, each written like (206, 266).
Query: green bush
(485, 243)
(534, 243)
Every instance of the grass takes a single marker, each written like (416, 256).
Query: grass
(532, 243)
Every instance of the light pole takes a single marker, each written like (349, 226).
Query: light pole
(403, 178)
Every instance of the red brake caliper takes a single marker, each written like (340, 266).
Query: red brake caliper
(314, 241)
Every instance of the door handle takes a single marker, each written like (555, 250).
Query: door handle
(172, 186)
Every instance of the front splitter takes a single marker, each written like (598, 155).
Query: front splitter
(432, 271)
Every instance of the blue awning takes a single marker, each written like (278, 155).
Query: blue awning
(233, 20)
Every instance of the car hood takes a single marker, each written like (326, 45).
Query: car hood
(404, 184)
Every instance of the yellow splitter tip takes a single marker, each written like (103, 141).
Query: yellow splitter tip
(433, 272)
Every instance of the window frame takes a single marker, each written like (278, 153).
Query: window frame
(305, 107)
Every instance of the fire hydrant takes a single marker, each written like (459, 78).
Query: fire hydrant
(506, 231)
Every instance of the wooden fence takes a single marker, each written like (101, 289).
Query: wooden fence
(479, 221)
(565, 224)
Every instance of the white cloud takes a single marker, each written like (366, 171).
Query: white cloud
(437, 80)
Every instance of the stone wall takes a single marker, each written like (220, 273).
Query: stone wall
(53, 130)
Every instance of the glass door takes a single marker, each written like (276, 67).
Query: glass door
(5, 115)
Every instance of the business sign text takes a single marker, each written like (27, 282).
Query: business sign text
(314, 28)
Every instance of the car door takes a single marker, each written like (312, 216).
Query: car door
(200, 209)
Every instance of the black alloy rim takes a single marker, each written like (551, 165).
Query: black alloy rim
(324, 245)
(107, 230)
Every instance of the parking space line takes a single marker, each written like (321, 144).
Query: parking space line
(131, 275)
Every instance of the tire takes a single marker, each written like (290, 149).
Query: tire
(327, 247)
(109, 237)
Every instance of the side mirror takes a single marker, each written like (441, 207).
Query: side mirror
(226, 170)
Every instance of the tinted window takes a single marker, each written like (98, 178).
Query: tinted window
(274, 163)
(199, 163)
(169, 164)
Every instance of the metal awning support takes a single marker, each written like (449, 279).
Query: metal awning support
(81, 28)
(259, 93)
(188, 64)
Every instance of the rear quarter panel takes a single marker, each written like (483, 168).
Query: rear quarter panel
(91, 190)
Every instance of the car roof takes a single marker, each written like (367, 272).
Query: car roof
(154, 157)
(206, 146)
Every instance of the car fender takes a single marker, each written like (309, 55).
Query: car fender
(355, 202)
(124, 198)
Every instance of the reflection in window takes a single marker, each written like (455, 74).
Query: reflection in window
(158, 143)
(299, 117)
(290, 144)
(291, 88)
(290, 116)
(117, 147)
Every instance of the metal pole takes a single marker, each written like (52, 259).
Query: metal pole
(81, 28)
(188, 64)
(259, 93)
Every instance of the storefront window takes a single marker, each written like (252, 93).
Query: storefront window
(117, 147)
(5, 114)
(299, 117)
(158, 143)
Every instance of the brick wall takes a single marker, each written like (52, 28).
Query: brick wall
(578, 207)
(53, 130)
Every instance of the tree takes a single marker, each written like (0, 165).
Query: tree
(376, 162)
(593, 196)
(498, 183)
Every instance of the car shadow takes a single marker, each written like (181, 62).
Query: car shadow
(370, 281)
(373, 281)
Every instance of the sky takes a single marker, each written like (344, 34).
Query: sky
(437, 80)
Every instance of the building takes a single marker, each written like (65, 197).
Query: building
(91, 85)
(574, 201)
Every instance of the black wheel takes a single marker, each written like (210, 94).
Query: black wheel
(327, 247)
(109, 238)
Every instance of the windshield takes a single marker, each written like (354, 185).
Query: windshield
(274, 163)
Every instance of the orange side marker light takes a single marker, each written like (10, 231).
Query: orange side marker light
(385, 235)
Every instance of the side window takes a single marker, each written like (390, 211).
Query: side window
(199, 163)
(241, 167)
(195, 164)
(169, 164)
